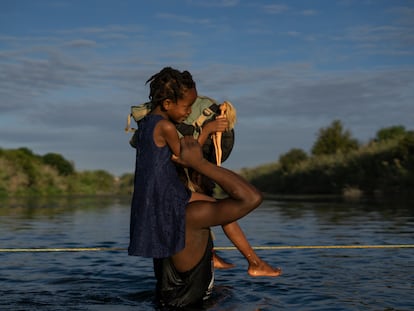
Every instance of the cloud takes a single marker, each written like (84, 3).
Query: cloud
(309, 12)
(215, 3)
(404, 15)
(293, 33)
(275, 8)
(288, 90)
(70, 90)
(303, 93)
(80, 43)
(184, 19)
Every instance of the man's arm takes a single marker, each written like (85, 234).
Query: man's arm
(243, 197)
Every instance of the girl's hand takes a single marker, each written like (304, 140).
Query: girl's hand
(220, 124)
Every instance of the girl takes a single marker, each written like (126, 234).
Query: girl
(157, 227)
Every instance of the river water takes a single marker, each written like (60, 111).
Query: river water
(313, 279)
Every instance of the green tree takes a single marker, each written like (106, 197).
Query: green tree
(26, 161)
(63, 166)
(126, 183)
(334, 139)
(26, 151)
(392, 132)
(290, 159)
(92, 182)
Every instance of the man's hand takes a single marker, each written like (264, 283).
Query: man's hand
(190, 152)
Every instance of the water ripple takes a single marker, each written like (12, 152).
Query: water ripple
(313, 279)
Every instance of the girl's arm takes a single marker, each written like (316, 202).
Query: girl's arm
(165, 133)
(218, 125)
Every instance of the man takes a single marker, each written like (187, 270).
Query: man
(186, 278)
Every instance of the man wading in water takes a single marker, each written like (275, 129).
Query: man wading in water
(186, 278)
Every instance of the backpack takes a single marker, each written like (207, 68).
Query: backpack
(203, 110)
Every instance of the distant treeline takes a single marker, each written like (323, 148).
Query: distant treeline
(337, 164)
(23, 173)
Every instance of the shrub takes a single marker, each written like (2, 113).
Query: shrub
(334, 139)
(63, 166)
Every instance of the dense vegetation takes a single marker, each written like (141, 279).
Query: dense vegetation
(337, 164)
(23, 173)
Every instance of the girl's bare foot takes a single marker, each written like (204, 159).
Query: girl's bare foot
(261, 268)
(220, 263)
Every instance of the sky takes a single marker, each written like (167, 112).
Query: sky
(71, 69)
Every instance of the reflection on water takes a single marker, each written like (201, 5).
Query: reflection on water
(313, 279)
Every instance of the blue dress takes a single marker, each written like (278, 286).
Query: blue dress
(157, 227)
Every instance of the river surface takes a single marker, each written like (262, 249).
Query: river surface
(313, 279)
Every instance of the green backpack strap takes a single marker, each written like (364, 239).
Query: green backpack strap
(137, 113)
(202, 110)
(196, 126)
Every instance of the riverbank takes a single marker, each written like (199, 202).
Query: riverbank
(381, 168)
(377, 169)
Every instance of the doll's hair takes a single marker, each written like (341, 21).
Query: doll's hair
(170, 84)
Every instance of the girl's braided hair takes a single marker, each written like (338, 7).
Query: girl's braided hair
(170, 84)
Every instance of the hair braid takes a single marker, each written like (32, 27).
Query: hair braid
(169, 83)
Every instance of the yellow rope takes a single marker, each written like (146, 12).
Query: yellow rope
(318, 247)
(63, 249)
(220, 248)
